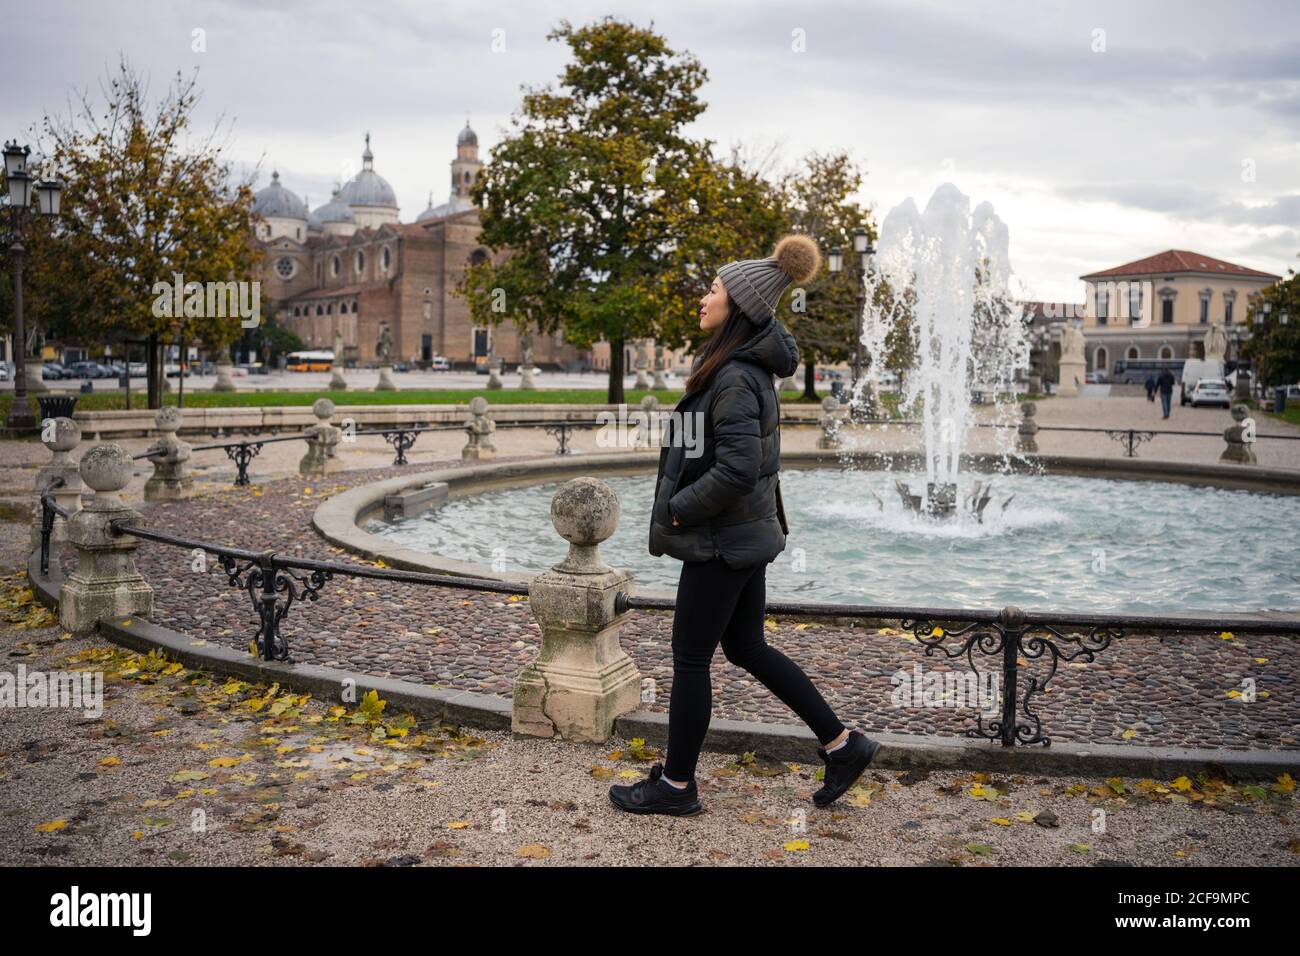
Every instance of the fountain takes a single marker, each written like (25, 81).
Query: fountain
(939, 289)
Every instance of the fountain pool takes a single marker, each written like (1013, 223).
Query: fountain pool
(1065, 543)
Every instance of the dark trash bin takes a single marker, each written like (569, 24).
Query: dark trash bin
(56, 406)
(1279, 398)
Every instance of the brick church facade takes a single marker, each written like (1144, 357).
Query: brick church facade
(352, 266)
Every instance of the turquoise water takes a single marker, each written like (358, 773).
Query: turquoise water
(1064, 543)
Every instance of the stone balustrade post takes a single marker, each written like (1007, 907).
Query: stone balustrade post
(1240, 438)
(478, 431)
(659, 383)
(105, 583)
(60, 436)
(321, 441)
(172, 479)
(582, 679)
(645, 426)
(1027, 431)
(830, 422)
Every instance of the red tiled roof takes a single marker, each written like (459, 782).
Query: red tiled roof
(326, 293)
(1054, 310)
(1178, 260)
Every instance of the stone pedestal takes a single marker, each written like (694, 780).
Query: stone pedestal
(171, 479)
(830, 423)
(321, 439)
(494, 374)
(60, 436)
(337, 382)
(659, 382)
(1073, 374)
(641, 364)
(225, 382)
(478, 431)
(581, 680)
(1027, 433)
(36, 377)
(1240, 438)
(646, 432)
(526, 382)
(106, 583)
(386, 383)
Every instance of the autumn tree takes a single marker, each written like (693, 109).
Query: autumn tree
(143, 203)
(819, 197)
(608, 219)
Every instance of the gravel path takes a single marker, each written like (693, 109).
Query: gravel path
(182, 768)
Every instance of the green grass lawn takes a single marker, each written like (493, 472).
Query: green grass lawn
(112, 401)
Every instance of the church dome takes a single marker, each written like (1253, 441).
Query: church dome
(467, 136)
(276, 202)
(334, 211)
(368, 188)
(454, 205)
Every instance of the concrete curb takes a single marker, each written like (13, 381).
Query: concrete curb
(784, 741)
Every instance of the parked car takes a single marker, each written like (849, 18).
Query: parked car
(1194, 370)
(53, 370)
(440, 363)
(1211, 391)
(4, 372)
(401, 367)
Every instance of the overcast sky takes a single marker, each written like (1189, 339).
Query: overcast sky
(1101, 132)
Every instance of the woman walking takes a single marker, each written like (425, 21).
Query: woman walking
(718, 509)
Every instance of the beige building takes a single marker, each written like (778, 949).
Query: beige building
(1160, 307)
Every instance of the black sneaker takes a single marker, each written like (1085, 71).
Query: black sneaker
(653, 795)
(844, 766)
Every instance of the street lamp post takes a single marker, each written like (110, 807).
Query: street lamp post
(20, 197)
(835, 262)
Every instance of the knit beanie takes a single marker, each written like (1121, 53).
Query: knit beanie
(756, 285)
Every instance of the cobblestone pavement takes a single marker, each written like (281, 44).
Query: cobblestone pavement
(183, 768)
(1148, 690)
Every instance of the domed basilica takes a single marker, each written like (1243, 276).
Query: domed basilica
(353, 266)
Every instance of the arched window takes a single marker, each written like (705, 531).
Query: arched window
(296, 312)
(319, 310)
(361, 261)
(1101, 360)
(478, 256)
(1133, 352)
(329, 309)
(1166, 352)
(334, 266)
(387, 258)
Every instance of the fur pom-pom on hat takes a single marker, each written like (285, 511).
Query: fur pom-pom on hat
(798, 257)
(756, 285)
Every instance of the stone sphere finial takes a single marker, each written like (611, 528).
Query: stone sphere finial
(478, 405)
(63, 437)
(168, 418)
(323, 409)
(830, 403)
(106, 467)
(1028, 409)
(1239, 412)
(584, 511)
(648, 402)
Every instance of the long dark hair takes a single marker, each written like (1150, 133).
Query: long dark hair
(726, 338)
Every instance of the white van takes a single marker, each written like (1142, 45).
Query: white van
(1193, 371)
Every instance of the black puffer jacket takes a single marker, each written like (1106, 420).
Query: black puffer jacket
(725, 498)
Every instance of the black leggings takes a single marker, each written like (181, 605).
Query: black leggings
(715, 602)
